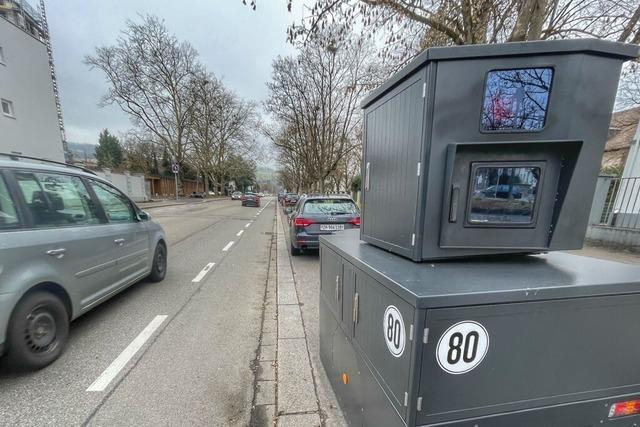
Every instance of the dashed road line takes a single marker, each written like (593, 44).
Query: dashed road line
(226, 248)
(247, 225)
(121, 361)
(239, 233)
(203, 272)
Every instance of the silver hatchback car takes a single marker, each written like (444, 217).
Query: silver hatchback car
(68, 241)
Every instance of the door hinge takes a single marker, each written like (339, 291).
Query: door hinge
(425, 335)
(413, 239)
(418, 173)
(406, 398)
(411, 332)
(419, 405)
(424, 90)
(356, 301)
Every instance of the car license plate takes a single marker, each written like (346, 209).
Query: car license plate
(331, 227)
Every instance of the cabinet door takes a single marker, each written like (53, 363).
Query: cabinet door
(348, 292)
(382, 330)
(331, 281)
(393, 144)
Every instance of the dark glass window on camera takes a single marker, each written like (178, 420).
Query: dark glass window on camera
(503, 195)
(516, 99)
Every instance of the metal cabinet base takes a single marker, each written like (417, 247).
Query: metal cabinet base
(518, 341)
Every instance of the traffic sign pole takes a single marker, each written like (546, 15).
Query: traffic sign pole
(175, 168)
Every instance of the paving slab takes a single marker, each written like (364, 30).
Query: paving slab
(267, 352)
(290, 322)
(265, 392)
(299, 420)
(296, 391)
(266, 370)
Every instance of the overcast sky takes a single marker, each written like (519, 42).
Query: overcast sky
(234, 42)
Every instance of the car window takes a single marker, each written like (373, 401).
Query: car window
(330, 207)
(56, 199)
(116, 205)
(8, 215)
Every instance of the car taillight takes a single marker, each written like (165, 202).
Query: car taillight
(355, 221)
(623, 409)
(303, 222)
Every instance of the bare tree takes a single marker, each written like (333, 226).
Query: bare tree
(314, 101)
(151, 77)
(405, 27)
(223, 126)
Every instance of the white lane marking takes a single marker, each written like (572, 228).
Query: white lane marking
(203, 272)
(247, 225)
(121, 361)
(240, 233)
(226, 248)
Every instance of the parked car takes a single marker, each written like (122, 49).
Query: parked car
(236, 195)
(69, 241)
(314, 216)
(281, 195)
(250, 199)
(290, 199)
(197, 195)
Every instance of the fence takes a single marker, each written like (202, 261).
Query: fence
(131, 184)
(621, 207)
(615, 213)
(166, 187)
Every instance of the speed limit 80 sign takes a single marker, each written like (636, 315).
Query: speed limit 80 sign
(462, 347)
(393, 330)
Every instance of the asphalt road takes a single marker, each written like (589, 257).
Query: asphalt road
(196, 340)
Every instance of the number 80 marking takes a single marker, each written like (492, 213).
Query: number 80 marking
(462, 347)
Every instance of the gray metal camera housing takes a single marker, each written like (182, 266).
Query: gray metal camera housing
(531, 118)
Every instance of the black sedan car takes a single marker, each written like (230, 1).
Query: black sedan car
(250, 199)
(314, 216)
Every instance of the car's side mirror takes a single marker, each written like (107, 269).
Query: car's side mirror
(143, 216)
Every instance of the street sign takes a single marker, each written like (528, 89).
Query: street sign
(175, 168)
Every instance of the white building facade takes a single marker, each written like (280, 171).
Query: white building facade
(28, 115)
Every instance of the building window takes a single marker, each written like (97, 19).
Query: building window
(1, 56)
(7, 108)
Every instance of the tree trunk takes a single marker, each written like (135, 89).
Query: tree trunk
(530, 19)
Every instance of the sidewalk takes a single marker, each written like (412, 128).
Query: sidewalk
(173, 202)
(609, 254)
(285, 392)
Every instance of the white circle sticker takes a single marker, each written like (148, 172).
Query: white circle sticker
(393, 328)
(462, 347)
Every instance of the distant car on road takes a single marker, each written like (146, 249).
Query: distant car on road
(250, 199)
(290, 199)
(68, 242)
(236, 195)
(314, 216)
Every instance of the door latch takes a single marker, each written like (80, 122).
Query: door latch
(57, 253)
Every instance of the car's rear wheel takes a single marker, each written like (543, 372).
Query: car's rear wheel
(38, 331)
(159, 263)
(295, 251)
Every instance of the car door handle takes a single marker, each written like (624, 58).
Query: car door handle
(119, 242)
(58, 253)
